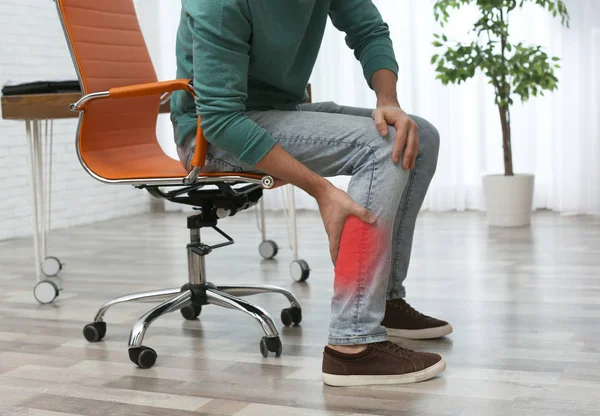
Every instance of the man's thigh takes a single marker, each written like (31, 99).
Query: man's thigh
(429, 138)
(330, 144)
(333, 108)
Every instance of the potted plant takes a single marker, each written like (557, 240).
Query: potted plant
(514, 70)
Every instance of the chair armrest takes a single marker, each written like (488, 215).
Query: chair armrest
(140, 90)
(152, 88)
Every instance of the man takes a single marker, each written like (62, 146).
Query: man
(250, 61)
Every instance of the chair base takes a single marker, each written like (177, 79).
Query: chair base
(190, 298)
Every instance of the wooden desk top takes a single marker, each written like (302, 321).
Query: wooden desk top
(45, 106)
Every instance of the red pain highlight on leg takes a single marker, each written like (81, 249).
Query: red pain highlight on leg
(362, 246)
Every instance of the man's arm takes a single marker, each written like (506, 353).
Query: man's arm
(369, 37)
(334, 204)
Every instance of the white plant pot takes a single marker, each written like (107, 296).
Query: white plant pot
(509, 199)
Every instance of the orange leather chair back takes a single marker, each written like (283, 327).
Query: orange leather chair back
(117, 138)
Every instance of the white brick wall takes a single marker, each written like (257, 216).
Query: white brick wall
(32, 47)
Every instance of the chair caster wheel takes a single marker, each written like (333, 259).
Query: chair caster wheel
(94, 332)
(144, 357)
(45, 291)
(299, 270)
(190, 312)
(270, 345)
(268, 249)
(51, 266)
(291, 316)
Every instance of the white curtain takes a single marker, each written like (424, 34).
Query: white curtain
(555, 137)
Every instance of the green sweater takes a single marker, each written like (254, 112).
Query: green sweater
(259, 54)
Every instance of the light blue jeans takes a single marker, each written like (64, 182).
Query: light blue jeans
(335, 140)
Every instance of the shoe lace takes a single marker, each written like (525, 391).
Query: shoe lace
(404, 306)
(397, 349)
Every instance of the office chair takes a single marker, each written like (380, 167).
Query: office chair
(116, 144)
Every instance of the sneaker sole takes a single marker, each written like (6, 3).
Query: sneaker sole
(418, 376)
(427, 333)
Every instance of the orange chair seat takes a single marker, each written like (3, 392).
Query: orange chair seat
(142, 161)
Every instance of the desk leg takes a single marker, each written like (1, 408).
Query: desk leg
(49, 141)
(45, 290)
(33, 178)
(39, 184)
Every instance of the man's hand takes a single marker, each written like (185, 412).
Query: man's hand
(335, 206)
(407, 134)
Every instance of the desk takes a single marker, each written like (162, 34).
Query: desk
(38, 111)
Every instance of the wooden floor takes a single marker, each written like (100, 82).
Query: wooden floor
(524, 303)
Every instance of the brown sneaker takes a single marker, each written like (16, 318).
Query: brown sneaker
(380, 363)
(401, 320)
